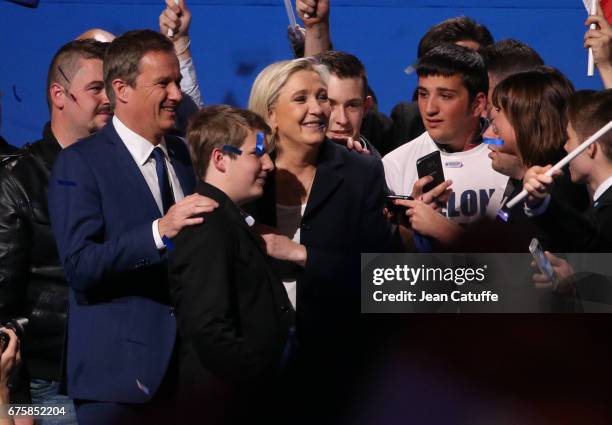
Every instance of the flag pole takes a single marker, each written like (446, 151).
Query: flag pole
(591, 60)
(573, 154)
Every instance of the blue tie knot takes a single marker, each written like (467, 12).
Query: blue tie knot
(158, 154)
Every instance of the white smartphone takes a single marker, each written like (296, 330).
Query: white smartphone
(540, 258)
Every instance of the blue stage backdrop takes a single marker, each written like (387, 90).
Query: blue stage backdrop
(234, 39)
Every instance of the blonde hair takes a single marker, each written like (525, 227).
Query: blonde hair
(272, 79)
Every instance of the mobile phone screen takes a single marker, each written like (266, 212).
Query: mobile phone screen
(540, 258)
(398, 210)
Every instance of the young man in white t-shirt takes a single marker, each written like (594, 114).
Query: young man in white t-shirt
(452, 95)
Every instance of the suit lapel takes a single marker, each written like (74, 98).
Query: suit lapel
(127, 166)
(327, 179)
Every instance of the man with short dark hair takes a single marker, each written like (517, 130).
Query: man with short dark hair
(32, 282)
(507, 57)
(451, 91)
(463, 31)
(116, 200)
(347, 91)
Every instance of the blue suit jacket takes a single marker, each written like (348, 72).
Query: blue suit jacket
(121, 328)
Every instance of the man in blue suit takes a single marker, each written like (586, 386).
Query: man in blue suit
(116, 199)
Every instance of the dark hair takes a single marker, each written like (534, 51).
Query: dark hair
(65, 62)
(452, 31)
(509, 56)
(124, 54)
(448, 60)
(344, 65)
(588, 111)
(218, 125)
(534, 103)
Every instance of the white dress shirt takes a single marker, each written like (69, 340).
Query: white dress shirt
(141, 150)
(602, 188)
(288, 219)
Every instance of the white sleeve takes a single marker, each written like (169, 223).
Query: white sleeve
(156, 236)
(189, 82)
(392, 175)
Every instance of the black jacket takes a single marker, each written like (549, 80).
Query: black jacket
(376, 128)
(589, 231)
(343, 218)
(232, 310)
(32, 282)
(5, 148)
(407, 124)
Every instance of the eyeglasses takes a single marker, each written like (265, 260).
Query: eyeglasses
(259, 146)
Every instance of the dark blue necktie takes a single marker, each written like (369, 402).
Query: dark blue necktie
(162, 179)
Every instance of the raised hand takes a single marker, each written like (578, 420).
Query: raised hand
(600, 40)
(175, 17)
(312, 12)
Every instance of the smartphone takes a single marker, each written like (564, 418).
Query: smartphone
(398, 210)
(431, 165)
(542, 262)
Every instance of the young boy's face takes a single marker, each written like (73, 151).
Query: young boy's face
(579, 167)
(448, 115)
(348, 106)
(247, 173)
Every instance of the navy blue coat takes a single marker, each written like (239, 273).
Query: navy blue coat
(121, 328)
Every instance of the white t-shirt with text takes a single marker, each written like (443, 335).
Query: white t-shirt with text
(475, 182)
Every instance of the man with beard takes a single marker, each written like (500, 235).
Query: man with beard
(32, 283)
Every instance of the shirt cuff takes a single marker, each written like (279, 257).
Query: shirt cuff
(159, 244)
(534, 212)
